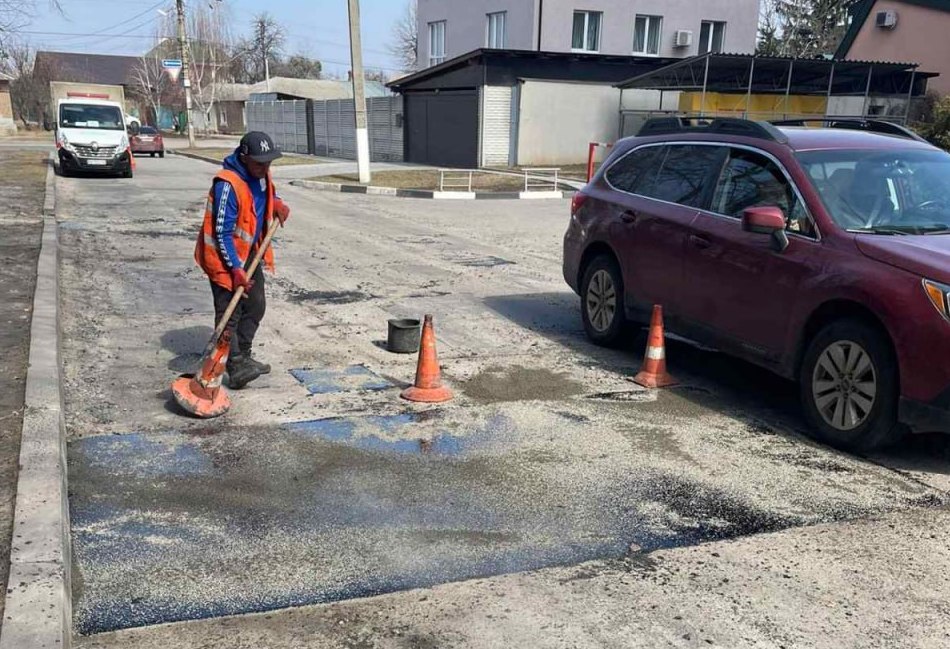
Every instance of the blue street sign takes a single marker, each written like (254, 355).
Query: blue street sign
(171, 63)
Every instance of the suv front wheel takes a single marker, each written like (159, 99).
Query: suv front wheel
(602, 304)
(849, 387)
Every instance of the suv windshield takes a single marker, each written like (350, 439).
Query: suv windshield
(91, 116)
(883, 192)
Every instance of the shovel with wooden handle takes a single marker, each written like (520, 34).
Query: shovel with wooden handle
(203, 394)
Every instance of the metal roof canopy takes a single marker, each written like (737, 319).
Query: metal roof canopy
(498, 67)
(750, 74)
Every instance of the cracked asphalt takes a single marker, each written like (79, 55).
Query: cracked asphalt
(552, 503)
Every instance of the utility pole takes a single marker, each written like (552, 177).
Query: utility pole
(183, 44)
(265, 51)
(359, 93)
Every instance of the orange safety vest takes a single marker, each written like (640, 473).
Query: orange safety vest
(206, 248)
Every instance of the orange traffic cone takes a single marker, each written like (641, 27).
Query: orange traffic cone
(428, 387)
(653, 374)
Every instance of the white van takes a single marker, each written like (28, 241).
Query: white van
(91, 136)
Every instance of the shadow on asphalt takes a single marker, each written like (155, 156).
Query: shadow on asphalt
(734, 384)
(187, 345)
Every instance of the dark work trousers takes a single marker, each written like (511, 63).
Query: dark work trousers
(248, 314)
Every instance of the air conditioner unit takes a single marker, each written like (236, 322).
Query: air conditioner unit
(682, 38)
(887, 19)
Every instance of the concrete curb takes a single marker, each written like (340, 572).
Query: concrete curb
(216, 161)
(193, 156)
(39, 595)
(49, 200)
(424, 193)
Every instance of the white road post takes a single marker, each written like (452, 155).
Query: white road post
(359, 93)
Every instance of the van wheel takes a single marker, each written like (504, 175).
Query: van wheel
(602, 303)
(849, 387)
(127, 173)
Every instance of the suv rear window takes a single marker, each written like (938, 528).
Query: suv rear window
(676, 173)
(636, 168)
(147, 130)
(687, 173)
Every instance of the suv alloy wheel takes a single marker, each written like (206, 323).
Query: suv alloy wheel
(849, 387)
(602, 303)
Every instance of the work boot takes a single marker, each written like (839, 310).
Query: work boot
(241, 371)
(263, 367)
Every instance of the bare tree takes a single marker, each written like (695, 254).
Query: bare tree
(298, 66)
(151, 82)
(372, 74)
(404, 44)
(14, 15)
(29, 90)
(209, 42)
(264, 48)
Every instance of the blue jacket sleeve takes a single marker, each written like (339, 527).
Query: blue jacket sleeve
(225, 212)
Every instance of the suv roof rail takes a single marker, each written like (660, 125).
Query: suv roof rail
(720, 125)
(856, 124)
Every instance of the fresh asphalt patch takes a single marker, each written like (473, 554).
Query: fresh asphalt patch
(351, 507)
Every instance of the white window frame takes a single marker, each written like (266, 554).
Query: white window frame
(712, 35)
(436, 54)
(649, 21)
(587, 18)
(491, 31)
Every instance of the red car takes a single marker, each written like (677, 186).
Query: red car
(148, 140)
(822, 254)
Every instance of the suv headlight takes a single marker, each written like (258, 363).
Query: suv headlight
(939, 295)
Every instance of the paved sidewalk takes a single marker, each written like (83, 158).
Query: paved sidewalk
(23, 171)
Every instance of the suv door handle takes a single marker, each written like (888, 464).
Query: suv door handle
(699, 242)
(629, 216)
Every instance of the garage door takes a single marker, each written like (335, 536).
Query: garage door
(442, 128)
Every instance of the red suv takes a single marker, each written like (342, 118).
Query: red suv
(822, 254)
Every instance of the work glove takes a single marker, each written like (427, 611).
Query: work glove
(240, 278)
(282, 212)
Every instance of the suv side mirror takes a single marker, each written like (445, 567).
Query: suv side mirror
(768, 220)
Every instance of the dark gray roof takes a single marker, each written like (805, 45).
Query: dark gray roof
(729, 73)
(88, 68)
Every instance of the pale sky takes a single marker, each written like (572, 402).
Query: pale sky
(317, 28)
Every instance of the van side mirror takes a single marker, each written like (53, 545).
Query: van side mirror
(768, 220)
(132, 129)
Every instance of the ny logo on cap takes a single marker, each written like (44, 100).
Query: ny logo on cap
(265, 146)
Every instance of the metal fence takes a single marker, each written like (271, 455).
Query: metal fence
(334, 128)
(328, 128)
(284, 121)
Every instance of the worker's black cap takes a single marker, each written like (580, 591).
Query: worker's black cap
(259, 147)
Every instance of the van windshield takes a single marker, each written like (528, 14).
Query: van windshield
(107, 118)
(883, 192)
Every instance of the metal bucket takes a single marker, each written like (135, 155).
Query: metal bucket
(403, 336)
